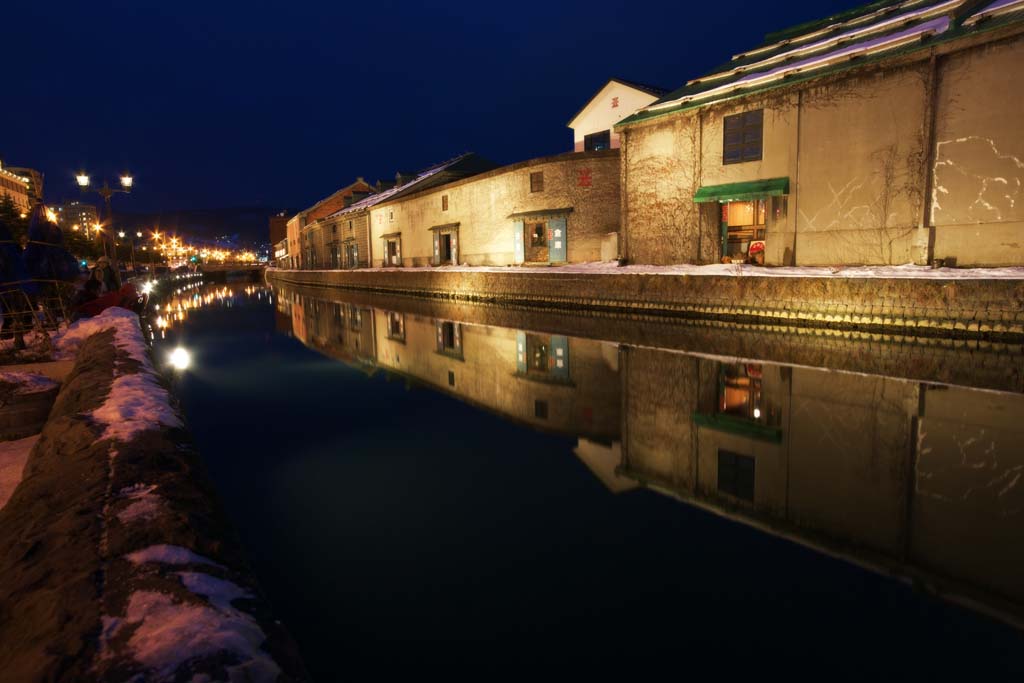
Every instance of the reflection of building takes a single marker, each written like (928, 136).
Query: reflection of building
(887, 472)
(882, 135)
(17, 188)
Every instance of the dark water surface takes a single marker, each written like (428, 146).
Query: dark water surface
(418, 490)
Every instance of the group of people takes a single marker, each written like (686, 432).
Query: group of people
(33, 268)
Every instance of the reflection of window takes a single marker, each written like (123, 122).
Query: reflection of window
(451, 378)
(447, 336)
(355, 318)
(537, 354)
(538, 234)
(736, 475)
(396, 326)
(740, 392)
(595, 142)
(540, 409)
(537, 181)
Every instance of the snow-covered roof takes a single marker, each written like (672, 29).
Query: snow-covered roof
(379, 197)
(838, 42)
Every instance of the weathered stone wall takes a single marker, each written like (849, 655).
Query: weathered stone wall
(68, 531)
(977, 202)
(861, 151)
(587, 183)
(980, 309)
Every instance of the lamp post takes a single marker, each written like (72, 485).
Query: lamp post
(83, 180)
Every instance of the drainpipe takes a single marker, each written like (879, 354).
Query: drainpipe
(623, 199)
(927, 241)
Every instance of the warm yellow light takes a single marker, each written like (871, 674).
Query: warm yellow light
(51, 215)
(120, 233)
(83, 180)
(126, 181)
(138, 234)
(23, 214)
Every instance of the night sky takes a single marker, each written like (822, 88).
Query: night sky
(278, 104)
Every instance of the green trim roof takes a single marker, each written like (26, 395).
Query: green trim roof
(774, 56)
(737, 425)
(735, 192)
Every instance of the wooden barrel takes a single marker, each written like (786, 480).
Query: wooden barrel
(25, 403)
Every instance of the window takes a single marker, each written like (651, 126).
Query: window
(537, 181)
(538, 234)
(396, 326)
(444, 202)
(350, 225)
(391, 216)
(540, 409)
(451, 378)
(334, 229)
(736, 475)
(741, 137)
(595, 142)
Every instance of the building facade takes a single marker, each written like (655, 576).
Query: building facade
(17, 188)
(77, 216)
(557, 209)
(871, 137)
(593, 128)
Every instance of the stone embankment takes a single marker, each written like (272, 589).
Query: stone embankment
(117, 562)
(989, 309)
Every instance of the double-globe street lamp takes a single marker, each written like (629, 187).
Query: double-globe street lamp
(138, 235)
(106, 192)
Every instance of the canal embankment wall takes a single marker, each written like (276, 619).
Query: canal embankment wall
(117, 561)
(986, 309)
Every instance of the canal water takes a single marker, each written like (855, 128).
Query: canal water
(421, 485)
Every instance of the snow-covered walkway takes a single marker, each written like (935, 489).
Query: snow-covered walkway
(907, 271)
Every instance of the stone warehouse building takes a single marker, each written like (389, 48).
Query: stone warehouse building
(556, 209)
(593, 127)
(887, 134)
(335, 233)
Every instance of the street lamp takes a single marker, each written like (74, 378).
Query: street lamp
(83, 180)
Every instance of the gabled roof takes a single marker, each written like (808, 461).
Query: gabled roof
(418, 181)
(842, 41)
(652, 90)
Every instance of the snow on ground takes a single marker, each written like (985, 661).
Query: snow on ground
(907, 271)
(145, 504)
(136, 403)
(13, 455)
(169, 554)
(127, 335)
(30, 382)
(168, 632)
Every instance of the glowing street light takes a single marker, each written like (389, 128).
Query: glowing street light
(82, 179)
(126, 181)
(84, 182)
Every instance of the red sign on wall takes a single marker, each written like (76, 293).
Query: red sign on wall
(584, 178)
(615, 103)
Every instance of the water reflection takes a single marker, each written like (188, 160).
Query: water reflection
(172, 301)
(914, 478)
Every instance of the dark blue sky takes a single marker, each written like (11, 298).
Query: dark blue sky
(277, 104)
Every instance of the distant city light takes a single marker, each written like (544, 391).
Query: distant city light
(180, 359)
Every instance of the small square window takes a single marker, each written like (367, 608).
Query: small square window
(451, 378)
(540, 409)
(742, 137)
(736, 475)
(537, 181)
(444, 202)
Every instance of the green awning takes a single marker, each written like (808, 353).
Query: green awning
(736, 425)
(736, 192)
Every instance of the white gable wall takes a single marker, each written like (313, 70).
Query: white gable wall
(601, 113)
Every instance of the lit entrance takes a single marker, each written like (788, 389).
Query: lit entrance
(392, 250)
(540, 236)
(743, 212)
(446, 244)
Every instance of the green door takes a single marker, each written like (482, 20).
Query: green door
(557, 240)
(517, 242)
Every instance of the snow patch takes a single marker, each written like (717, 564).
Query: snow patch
(169, 633)
(29, 382)
(127, 335)
(136, 403)
(169, 554)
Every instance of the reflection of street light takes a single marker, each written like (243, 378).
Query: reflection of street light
(120, 233)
